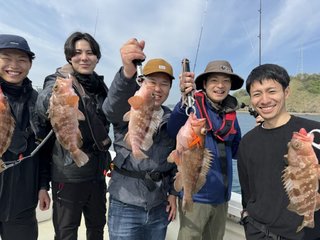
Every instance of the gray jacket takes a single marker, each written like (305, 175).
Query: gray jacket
(129, 189)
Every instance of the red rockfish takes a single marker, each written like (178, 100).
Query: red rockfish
(7, 125)
(142, 121)
(192, 158)
(64, 115)
(301, 177)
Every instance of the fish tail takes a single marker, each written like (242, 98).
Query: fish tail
(174, 157)
(308, 221)
(79, 157)
(187, 205)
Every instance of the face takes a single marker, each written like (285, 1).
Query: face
(217, 87)
(84, 61)
(268, 99)
(162, 83)
(14, 65)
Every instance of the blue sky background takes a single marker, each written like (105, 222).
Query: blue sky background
(171, 29)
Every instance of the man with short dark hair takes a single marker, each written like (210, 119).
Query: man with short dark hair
(78, 191)
(19, 131)
(261, 160)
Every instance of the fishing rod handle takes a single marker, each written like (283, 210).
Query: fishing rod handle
(190, 99)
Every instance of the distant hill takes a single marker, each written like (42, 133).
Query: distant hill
(304, 94)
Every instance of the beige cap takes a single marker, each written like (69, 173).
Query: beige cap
(158, 65)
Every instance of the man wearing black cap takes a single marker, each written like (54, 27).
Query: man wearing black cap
(208, 218)
(18, 178)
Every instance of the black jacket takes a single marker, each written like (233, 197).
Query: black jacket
(95, 127)
(19, 184)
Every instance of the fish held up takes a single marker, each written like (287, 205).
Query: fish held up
(7, 125)
(193, 160)
(142, 119)
(301, 178)
(64, 117)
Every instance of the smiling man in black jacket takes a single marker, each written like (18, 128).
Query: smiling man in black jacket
(18, 179)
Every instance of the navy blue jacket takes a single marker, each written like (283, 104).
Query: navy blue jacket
(213, 192)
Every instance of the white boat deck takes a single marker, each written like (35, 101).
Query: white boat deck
(234, 231)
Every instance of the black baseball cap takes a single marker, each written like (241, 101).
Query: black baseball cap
(8, 41)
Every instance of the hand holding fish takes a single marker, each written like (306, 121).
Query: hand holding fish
(301, 177)
(130, 51)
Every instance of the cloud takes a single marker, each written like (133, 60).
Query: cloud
(171, 29)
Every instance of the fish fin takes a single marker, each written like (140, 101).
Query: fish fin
(126, 116)
(146, 144)
(177, 182)
(135, 102)
(80, 116)
(2, 106)
(174, 157)
(187, 204)
(139, 155)
(318, 203)
(72, 100)
(206, 164)
(79, 157)
(308, 221)
(126, 139)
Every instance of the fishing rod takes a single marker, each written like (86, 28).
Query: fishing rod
(5, 165)
(200, 35)
(189, 98)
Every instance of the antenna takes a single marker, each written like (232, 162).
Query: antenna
(260, 12)
(301, 63)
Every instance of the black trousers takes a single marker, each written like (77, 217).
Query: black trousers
(24, 227)
(70, 201)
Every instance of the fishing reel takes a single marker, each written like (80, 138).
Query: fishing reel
(140, 75)
(251, 111)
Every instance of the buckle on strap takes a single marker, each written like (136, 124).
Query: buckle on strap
(264, 229)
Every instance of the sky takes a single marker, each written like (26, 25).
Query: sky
(199, 30)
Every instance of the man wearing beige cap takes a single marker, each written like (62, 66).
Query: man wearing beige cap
(142, 201)
(208, 217)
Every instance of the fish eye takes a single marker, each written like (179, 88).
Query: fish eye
(203, 131)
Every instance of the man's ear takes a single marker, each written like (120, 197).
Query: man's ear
(287, 92)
